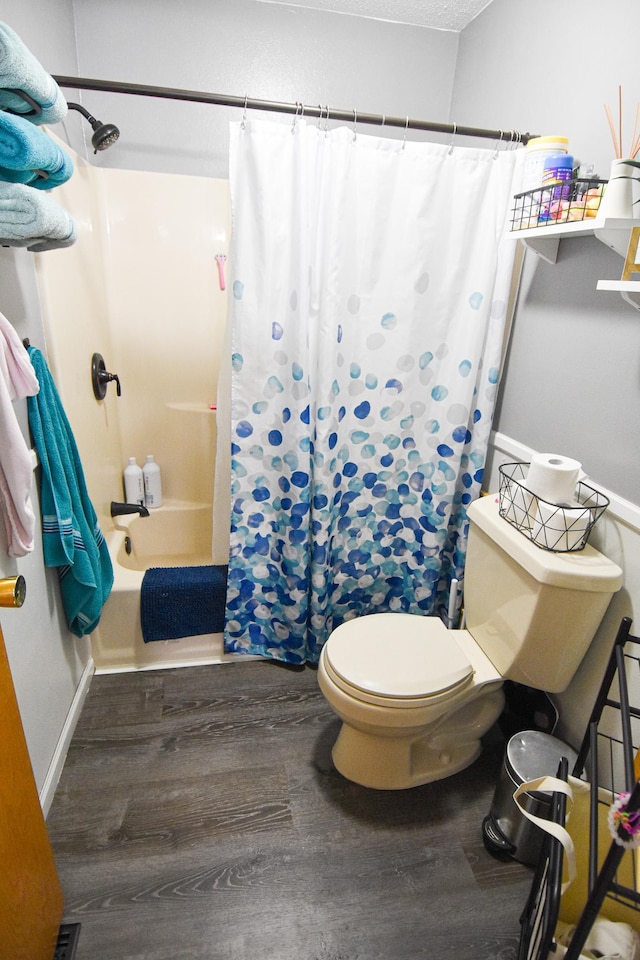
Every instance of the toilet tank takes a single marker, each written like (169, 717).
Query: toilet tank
(533, 612)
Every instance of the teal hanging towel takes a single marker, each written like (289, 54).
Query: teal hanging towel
(72, 539)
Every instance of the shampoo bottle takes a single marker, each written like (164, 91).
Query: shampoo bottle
(152, 483)
(133, 482)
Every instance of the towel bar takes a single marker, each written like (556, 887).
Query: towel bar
(36, 109)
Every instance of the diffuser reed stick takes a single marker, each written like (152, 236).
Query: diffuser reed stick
(635, 144)
(620, 117)
(634, 139)
(616, 145)
(616, 136)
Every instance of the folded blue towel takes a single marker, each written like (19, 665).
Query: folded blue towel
(72, 540)
(30, 218)
(28, 155)
(182, 602)
(19, 70)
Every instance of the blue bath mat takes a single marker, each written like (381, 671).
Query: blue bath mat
(182, 602)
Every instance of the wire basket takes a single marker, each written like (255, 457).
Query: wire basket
(559, 528)
(566, 202)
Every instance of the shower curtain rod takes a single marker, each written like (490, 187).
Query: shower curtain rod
(273, 106)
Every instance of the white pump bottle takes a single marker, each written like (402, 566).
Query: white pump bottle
(152, 483)
(133, 482)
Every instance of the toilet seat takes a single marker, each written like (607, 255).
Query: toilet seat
(396, 659)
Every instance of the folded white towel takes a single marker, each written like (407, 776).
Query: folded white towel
(30, 218)
(19, 70)
(607, 941)
(17, 380)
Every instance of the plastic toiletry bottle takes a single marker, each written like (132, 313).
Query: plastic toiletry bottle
(152, 483)
(133, 482)
(538, 149)
(556, 181)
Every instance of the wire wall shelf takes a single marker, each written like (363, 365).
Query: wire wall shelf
(567, 202)
(558, 528)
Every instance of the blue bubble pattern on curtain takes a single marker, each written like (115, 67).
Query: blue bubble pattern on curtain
(368, 312)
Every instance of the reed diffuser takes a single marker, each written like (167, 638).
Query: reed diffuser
(619, 199)
(617, 136)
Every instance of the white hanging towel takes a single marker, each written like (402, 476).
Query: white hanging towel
(17, 380)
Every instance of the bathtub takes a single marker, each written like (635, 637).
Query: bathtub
(177, 534)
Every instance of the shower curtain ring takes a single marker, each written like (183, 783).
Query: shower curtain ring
(498, 142)
(384, 117)
(326, 123)
(452, 139)
(355, 121)
(244, 114)
(406, 127)
(295, 116)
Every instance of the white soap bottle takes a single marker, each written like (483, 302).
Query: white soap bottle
(133, 482)
(152, 483)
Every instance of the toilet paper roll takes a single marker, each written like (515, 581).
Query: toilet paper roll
(560, 528)
(553, 478)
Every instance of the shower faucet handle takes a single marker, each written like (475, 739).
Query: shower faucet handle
(100, 377)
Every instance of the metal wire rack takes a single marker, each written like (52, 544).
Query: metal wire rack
(558, 528)
(610, 757)
(567, 202)
(540, 915)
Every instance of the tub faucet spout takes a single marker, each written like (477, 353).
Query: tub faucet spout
(119, 509)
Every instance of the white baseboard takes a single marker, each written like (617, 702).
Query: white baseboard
(62, 746)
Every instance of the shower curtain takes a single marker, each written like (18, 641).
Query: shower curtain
(368, 306)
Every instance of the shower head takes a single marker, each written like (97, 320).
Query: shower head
(104, 134)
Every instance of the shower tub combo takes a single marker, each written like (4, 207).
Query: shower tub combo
(151, 303)
(178, 534)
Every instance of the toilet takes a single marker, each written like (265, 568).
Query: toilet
(415, 698)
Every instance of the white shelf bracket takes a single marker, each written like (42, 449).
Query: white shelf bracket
(545, 247)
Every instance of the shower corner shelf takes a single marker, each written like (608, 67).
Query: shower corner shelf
(614, 233)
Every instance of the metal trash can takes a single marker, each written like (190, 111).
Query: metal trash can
(505, 830)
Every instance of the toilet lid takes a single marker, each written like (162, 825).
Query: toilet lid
(397, 655)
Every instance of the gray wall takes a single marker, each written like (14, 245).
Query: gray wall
(572, 380)
(247, 48)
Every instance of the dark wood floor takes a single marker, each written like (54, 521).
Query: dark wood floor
(199, 817)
